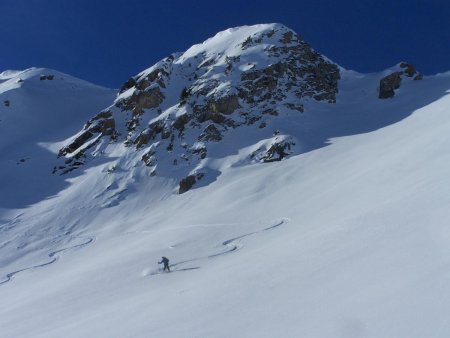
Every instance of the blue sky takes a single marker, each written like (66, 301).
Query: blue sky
(106, 42)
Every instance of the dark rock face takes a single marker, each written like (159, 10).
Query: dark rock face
(302, 69)
(389, 83)
(147, 89)
(7, 103)
(151, 132)
(102, 124)
(277, 151)
(211, 133)
(318, 78)
(187, 183)
(77, 143)
(408, 70)
(131, 82)
(141, 100)
(224, 105)
(46, 77)
(149, 159)
(181, 122)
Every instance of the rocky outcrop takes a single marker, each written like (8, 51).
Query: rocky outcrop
(154, 129)
(142, 99)
(130, 83)
(181, 122)
(388, 84)
(210, 133)
(302, 70)
(149, 159)
(410, 71)
(391, 82)
(146, 89)
(46, 77)
(277, 152)
(224, 105)
(279, 148)
(103, 124)
(317, 77)
(186, 183)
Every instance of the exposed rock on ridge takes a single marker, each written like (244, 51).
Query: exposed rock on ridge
(389, 83)
(173, 112)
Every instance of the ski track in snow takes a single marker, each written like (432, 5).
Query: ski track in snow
(54, 257)
(231, 245)
(234, 244)
(160, 272)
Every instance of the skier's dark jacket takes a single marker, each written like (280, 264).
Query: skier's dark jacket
(164, 260)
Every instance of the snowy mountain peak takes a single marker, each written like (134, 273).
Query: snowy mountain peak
(193, 107)
(231, 41)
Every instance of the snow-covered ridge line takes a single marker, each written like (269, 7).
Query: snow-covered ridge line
(43, 75)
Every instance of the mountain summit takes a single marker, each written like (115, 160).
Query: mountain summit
(195, 106)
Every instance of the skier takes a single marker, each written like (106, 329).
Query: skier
(165, 260)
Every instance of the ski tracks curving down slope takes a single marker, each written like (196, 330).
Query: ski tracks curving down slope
(230, 245)
(54, 257)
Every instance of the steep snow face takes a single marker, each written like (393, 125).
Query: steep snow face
(209, 103)
(39, 108)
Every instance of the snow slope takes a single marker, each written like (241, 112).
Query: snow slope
(40, 114)
(349, 238)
